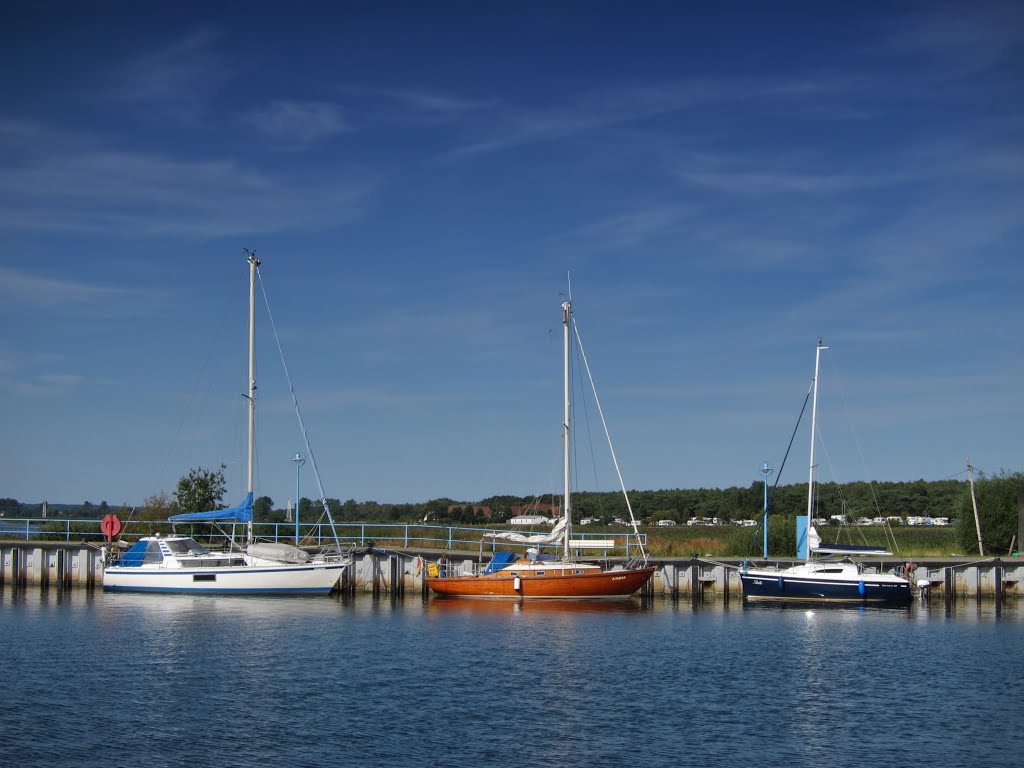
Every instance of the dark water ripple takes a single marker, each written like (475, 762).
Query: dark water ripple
(122, 680)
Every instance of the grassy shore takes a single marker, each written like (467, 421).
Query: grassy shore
(730, 541)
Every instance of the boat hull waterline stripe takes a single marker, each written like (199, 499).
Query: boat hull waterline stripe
(609, 584)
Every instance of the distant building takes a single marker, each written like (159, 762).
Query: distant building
(531, 520)
(551, 510)
(475, 509)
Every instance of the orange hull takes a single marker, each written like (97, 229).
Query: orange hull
(601, 584)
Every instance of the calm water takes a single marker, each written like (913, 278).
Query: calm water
(157, 680)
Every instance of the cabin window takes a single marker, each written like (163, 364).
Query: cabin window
(204, 577)
(186, 547)
(153, 553)
(539, 573)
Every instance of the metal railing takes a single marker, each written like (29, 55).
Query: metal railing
(384, 535)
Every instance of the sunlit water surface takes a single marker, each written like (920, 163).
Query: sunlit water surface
(95, 679)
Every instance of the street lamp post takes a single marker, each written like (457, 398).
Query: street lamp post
(298, 460)
(766, 470)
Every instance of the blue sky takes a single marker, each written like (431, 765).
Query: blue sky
(725, 182)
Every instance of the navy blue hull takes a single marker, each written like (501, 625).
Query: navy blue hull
(787, 588)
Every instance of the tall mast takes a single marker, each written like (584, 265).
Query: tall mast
(254, 264)
(814, 432)
(566, 509)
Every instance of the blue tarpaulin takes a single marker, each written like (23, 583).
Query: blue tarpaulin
(500, 560)
(242, 513)
(135, 556)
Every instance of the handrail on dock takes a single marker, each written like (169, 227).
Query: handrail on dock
(422, 535)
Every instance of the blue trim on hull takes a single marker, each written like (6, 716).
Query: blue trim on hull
(221, 591)
(783, 588)
(235, 570)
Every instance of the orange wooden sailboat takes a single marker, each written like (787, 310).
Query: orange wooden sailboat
(561, 579)
(547, 576)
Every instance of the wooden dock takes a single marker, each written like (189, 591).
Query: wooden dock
(60, 564)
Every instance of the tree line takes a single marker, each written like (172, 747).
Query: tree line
(998, 498)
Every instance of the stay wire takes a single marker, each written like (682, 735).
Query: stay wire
(298, 414)
(778, 476)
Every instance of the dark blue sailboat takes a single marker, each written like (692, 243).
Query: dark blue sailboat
(824, 580)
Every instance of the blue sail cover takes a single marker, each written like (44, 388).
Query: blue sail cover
(242, 513)
(135, 556)
(499, 561)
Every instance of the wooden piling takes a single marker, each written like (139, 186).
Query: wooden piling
(948, 587)
(998, 573)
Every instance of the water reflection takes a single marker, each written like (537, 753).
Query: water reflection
(167, 607)
(364, 681)
(471, 607)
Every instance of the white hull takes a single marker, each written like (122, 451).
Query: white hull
(318, 578)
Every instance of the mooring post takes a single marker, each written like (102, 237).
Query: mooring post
(375, 567)
(348, 578)
(694, 582)
(393, 568)
(999, 585)
(948, 586)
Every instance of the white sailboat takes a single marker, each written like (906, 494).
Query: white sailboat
(823, 580)
(181, 564)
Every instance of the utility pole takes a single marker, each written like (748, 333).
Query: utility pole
(974, 503)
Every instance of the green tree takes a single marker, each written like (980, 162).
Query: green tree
(262, 507)
(157, 507)
(997, 513)
(201, 490)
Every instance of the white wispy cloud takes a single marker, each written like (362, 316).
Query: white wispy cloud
(769, 182)
(508, 126)
(631, 229)
(435, 104)
(26, 384)
(175, 78)
(127, 193)
(957, 38)
(19, 288)
(295, 124)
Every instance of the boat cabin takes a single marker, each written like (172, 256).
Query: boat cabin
(175, 552)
